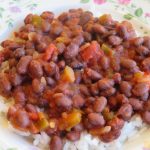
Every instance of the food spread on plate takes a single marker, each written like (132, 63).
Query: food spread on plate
(75, 73)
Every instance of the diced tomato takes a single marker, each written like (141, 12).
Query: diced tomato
(49, 52)
(33, 116)
(34, 129)
(92, 51)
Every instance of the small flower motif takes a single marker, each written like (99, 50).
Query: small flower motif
(99, 2)
(147, 14)
(124, 2)
(15, 9)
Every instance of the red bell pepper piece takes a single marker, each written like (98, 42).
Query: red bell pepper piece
(49, 52)
(92, 51)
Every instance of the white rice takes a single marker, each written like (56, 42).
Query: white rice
(86, 142)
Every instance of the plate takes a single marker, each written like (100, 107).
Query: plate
(12, 13)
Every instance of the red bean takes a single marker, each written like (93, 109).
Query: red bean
(5, 83)
(116, 123)
(108, 92)
(137, 41)
(15, 78)
(92, 74)
(117, 78)
(94, 89)
(114, 40)
(31, 108)
(136, 103)
(104, 62)
(19, 96)
(22, 119)
(50, 81)
(99, 104)
(41, 47)
(110, 136)
(125, 111)
(84, 90)
(73, 136)
(38, 86)
(140, 89)
(29, 45)
(125, 88)
(97, 28)
(71, 51)
(61, 47)
(45, 26)
(28, 19)
(128, 63)
(147, 105)
(96, 119)
(56, 143)
(146, 117)
(147, 42)
(22, 66)
(47, 15)
(121, 99)
(78, 101)
(35, 69)
(146, 64)
(19, 52)
(105, 83)
(142, 50)
(79, 127)
(62, 101)
(87, 36)
(85, 17)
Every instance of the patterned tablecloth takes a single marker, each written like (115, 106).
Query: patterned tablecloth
(12, 13)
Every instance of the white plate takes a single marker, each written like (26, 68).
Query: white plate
(12, 13)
